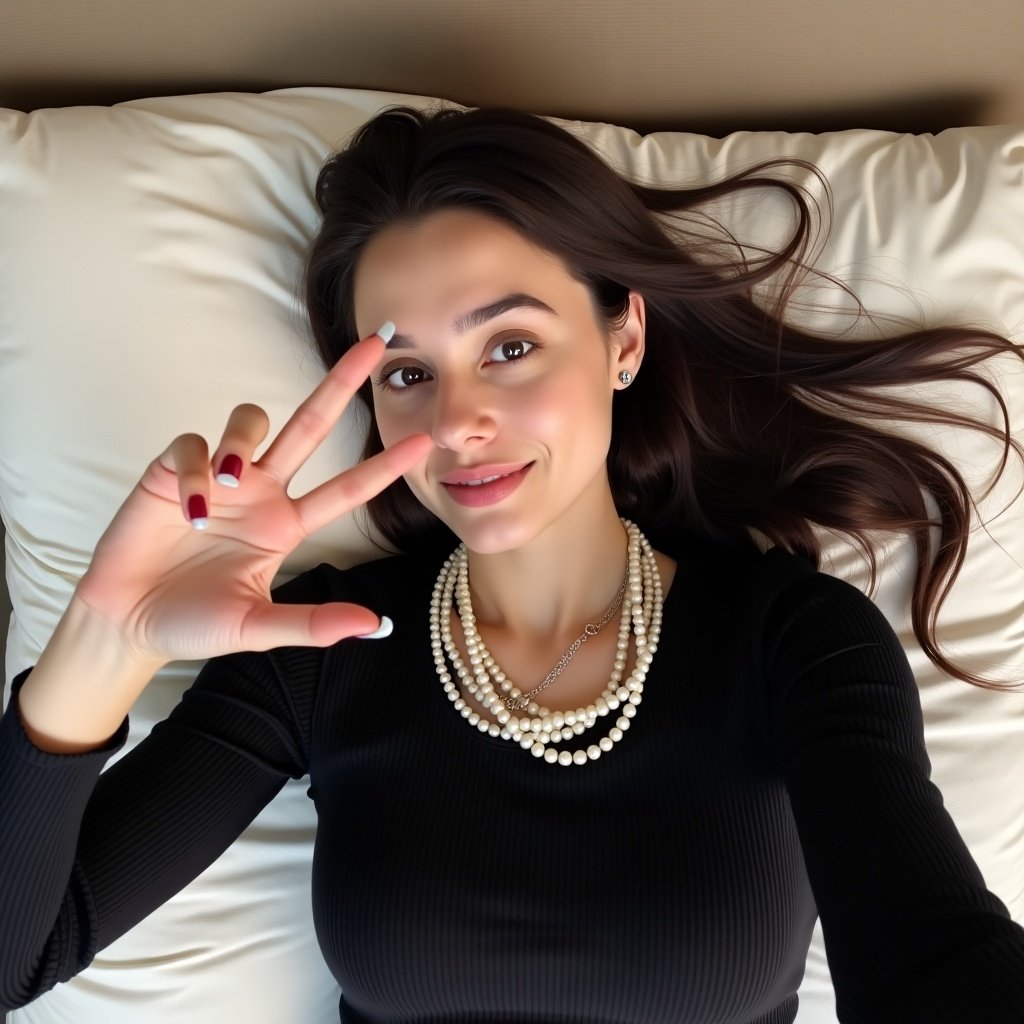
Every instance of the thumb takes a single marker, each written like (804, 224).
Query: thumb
(307, 625)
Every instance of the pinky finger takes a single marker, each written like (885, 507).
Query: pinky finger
(191, 459)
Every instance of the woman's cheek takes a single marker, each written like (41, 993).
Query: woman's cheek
(393, 425)
(556, 403)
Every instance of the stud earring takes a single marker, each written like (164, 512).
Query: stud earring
(626, 377)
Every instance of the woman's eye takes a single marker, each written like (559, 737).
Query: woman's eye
(511, 350)
(404, 377)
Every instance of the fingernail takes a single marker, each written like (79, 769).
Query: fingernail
(387, 332)
(197, 512)
(384, 629)
(230, 471)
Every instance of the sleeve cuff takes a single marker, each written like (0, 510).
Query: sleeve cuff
(12, 732)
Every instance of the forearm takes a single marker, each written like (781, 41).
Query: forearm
(86, 855)
(84, 684)
(42, 799)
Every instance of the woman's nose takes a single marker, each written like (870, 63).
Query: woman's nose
(462, 415)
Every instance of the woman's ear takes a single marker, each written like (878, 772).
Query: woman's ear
(628, 342)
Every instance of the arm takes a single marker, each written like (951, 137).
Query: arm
(87, 858)
(911, 933)
(182, 573)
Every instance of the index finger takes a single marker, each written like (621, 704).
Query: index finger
(314, 419)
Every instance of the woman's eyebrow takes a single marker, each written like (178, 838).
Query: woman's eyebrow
(478, 317)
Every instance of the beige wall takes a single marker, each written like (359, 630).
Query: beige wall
(710, 66)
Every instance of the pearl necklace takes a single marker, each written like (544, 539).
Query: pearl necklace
(641, 608)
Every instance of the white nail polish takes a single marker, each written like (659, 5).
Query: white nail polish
(384, 629)
(387, 332)
(200, 524)
(227, 479)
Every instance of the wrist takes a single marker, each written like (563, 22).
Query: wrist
(84, 683)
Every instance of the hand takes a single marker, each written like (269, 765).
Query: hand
(175, 591)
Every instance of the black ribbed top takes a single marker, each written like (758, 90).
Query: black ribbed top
(776, 768)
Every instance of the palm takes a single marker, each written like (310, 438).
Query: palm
(181, 593)
(187, 593)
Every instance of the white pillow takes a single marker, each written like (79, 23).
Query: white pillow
(148, 283)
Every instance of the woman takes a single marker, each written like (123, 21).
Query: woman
(603, 760)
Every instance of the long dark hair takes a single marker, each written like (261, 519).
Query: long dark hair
(728, 427)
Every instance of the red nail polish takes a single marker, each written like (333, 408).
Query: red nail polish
(231, 465)
(197, 507)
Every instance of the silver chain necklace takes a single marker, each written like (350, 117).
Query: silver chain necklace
(591, 629)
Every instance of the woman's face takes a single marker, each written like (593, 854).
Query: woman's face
(526, 394)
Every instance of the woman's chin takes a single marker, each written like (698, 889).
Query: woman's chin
(491, 538)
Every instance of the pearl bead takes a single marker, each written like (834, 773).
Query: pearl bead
(480, 674)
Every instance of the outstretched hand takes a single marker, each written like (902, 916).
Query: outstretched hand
(185, 568)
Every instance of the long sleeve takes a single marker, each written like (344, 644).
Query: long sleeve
(912, 935)
(86, 855)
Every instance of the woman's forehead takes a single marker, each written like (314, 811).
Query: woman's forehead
(448, 282)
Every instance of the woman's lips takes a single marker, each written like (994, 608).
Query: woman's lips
(474, 474)
(476, 495)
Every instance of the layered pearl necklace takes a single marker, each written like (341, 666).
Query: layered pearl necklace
(641, 609)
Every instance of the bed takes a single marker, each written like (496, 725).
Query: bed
(153, 237)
